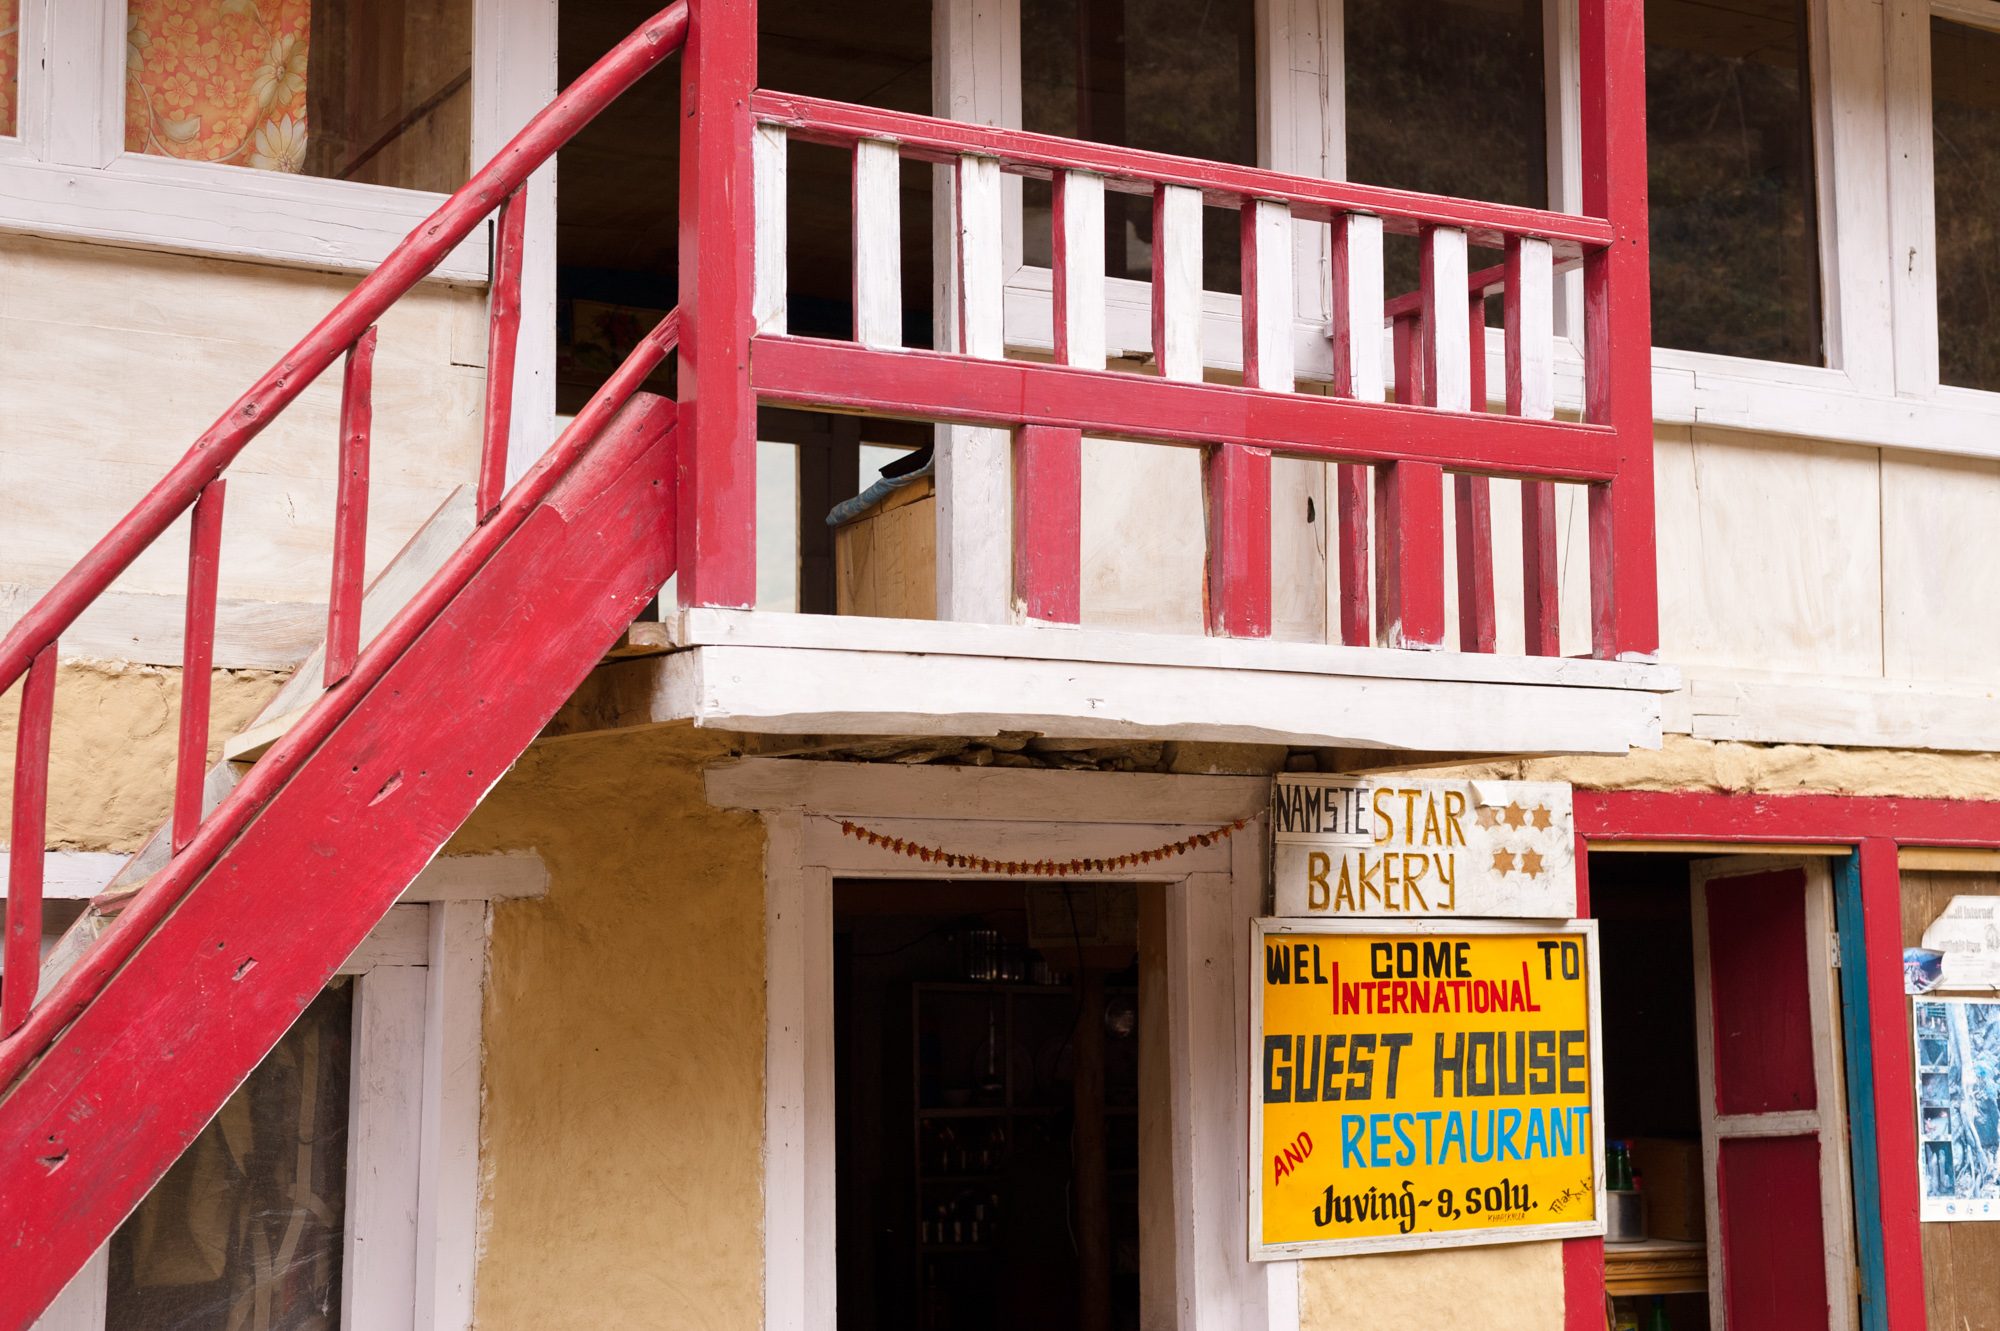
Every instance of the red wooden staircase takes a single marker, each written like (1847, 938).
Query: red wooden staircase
(110, 1071)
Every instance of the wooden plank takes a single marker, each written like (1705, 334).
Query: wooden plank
(1530, 329)
(1357, 307)
(1078, 244)
(1540, 586)
(1472, 531)
(197, 655)
(772, 246)
(1406, 352)
(1351, 509)
(718, 452)
(974, 564)
(1267, 296)
(1617, 360)
(1447, 352)
(350, 511)
(379, 1233)
(28, 826)
(1177, 282)
(926, 385)
(503, 337)
(1946, 859)
(264, 925)
(878, 244)
(1136, 171)
(1409, 564)
(1048, 524)
(447, 1219)
(1238, 480)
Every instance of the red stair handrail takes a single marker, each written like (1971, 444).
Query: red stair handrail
(408, 264)
(29, 1021)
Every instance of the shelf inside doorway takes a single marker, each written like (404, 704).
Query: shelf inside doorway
(1656, 1266)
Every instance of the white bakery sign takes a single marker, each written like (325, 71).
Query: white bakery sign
(1393, 846)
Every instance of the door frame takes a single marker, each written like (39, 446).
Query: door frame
(1211, 895)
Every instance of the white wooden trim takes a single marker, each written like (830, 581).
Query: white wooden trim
(878, 244)
(1217, 1288)
(379, 1262)
(70, 875)
(1357, 295)
(1537, 335)
(1080, 214)
(1447, 335)
(514, 76)
(82, 1304)
(448, 1147)
(770, 154)
(401, 939)
(1177, 282)
(882, 790)
(1271, 234)
(504, 876)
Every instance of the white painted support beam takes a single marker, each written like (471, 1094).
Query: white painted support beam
(878, 245)
(1531, 331)
(975, 500)
(1267, 295)
(1447, 336)
(768, 171)
(379, 1264)
(1177, 282)
(1079, 247)
(1357, 308)
(448, 1145)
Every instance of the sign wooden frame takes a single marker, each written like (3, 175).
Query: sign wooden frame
(1264, 928)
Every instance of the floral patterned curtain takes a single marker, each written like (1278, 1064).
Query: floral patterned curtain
(217, 80)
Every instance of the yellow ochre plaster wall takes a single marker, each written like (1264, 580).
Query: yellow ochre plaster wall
(624, 1046)
(111, 758)
(1509, 1287)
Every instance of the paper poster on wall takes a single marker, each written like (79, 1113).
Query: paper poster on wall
(1423, 1084)
(1958, 1107)
(1967, 937)
(1395, 847)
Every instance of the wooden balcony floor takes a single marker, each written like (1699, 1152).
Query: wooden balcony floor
(784, 674)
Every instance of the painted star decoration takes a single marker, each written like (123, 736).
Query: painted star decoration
(1516, 817)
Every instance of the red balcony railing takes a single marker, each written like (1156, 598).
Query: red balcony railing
(1392, 579)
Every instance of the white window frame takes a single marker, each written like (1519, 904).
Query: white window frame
(1913, 203)
(412, 1212)
(1211, 895)
(1879, 317)
(67, 175)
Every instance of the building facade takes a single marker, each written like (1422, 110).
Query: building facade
(844, 917)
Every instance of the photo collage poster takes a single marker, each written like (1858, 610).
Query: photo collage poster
(1958, 1107)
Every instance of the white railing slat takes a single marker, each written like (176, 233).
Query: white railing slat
(1079, 243)
(1357, 308)
(980, 281)
(878, 245)
(1531, 331)
(1447, 335)
(1177, 282)
(768, 168)
(1267, 295)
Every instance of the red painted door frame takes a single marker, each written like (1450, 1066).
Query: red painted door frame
(1876, 826)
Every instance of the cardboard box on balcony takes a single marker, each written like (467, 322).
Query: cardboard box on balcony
(1670, 1167)
(885, 561)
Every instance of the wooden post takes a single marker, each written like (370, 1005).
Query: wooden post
(197, 657)
(1531, 393)
(350, 510)
(1357, 373)
(1618, 355)
(718, 444)
(1902, 1298)
(29, 835)
(1473, 510)
(1409, 582)
(974, 571)
(503, 338)
(1238, 476)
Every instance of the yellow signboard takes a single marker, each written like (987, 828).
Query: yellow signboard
(1420, 1085)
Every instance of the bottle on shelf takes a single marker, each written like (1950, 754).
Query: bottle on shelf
(1656, 1316)
(1618, 1167)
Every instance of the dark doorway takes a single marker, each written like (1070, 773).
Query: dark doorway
(987, 1084)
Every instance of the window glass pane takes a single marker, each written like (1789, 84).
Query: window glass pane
(1445, 96)
(378, 91)
(1729, 145)
(10, 64)
(1175, 76)
(246, 1229)
(1965, 145)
